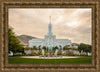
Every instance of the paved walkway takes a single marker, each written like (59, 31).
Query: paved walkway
(37, 57)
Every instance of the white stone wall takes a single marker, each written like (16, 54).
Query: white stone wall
(36, 42)
(49, 40)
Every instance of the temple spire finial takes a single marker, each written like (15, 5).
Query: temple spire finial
(50, 18)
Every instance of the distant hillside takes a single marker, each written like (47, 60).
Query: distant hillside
(25, 38)
(75, 44)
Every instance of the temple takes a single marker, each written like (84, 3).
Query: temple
(49, 40)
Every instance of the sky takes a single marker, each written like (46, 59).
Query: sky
(67, 23)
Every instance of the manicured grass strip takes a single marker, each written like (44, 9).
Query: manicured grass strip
(19, 60)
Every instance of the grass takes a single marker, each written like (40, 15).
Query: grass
(19, 60)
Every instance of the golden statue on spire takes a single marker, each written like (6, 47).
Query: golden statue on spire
(50, 18)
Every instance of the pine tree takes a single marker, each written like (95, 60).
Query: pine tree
(13, 42)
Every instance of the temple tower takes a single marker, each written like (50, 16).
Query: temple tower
(50, 28)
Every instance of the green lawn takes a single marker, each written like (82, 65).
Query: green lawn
(19, 60)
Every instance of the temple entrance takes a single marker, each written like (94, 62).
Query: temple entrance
(49, 47)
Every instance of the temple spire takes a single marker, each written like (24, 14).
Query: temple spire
(50, 27)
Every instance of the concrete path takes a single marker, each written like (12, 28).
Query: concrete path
(37, 57)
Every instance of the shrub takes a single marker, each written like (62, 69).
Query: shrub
(55, 55)
(18, 55)
(39, 53)
(59, 52)
(29, 54)
(28, 48)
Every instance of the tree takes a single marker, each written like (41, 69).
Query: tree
(13, 42)
(81, 47)
(34, 48)
(21, 49)
(44, 47)
(55, 47)
(84, 47)
(60, 47)
(87, 49)
(39, 48)
(66, 47)
(52, 48)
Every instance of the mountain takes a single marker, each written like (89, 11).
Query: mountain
(75, 44)
(25, 38)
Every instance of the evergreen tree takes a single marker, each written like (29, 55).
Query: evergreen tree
(13, 42)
